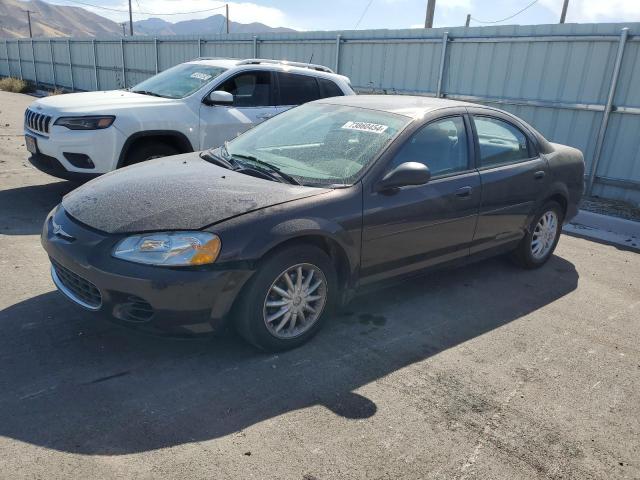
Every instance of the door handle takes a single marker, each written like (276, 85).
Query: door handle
(539, 175)
(464, 192)
(266, 116)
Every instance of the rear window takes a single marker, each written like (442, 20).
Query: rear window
(297, 89)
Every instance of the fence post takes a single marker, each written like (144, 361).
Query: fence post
(124, 70)
(155, 44)
(95, 64)
(73, 85)
(337, 63)
(33, 59)
(199, 47)
(6, 49)
(20, 60)
(443, 60)
(607, 110)
(53, 65)
(255, 46)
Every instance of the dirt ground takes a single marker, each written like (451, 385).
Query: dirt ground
(484, 372)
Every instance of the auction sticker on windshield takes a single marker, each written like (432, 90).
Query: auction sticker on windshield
(365, 127)
(201, 76)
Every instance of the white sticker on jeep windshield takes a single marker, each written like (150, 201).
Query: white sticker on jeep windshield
(365, 127)
(201, 76)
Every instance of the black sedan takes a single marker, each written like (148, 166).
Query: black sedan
(283, 224)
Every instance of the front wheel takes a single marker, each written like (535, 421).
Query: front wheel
(541, 239)
(149, 150)
(288, 299)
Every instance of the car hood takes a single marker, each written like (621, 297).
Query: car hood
(97, 102)
(182, 192)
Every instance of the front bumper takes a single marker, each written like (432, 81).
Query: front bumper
(53, 167)
(176, 301)
(101, 146)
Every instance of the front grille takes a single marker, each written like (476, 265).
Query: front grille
(38, 122)
(77, 288)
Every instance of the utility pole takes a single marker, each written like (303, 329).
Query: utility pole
(466, 24)
(563, 15)
(431, 8)
(29, 12)
(124, 32)
(227, 9)
(130, 20)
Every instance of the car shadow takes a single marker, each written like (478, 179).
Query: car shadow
(73, 383)
(23, 209)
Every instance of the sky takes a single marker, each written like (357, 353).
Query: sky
(350, 14)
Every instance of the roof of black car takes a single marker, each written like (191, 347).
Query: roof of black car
(408, 105)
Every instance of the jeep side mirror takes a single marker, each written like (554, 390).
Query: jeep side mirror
(218, 97)
(404, 175)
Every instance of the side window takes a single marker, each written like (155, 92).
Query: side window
(441, 146)
(297, 89)
(329, 89)
(249, 89)
(500, 142)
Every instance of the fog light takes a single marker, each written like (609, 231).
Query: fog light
(79, 160)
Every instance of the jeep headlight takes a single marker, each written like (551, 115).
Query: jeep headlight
(86, 123)
(170, 249)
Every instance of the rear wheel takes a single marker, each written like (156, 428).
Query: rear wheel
(148, 150)
(542, 237)
(288, 299)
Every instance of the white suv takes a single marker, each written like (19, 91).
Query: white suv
(192, 106)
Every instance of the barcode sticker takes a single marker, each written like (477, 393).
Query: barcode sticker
(201, 76)
(365, 127)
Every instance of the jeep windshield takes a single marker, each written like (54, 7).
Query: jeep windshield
(179, 81)
(319, 144)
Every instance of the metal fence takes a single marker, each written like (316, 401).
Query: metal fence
(578, 84)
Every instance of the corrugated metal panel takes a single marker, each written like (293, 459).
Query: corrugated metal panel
(557, 77)
(4, 60)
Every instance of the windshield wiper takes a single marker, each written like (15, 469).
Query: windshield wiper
(268, 166)
(147, 92)
(209, 156)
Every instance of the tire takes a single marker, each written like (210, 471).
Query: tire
(529, 255)
(149, 150)
(253, 313)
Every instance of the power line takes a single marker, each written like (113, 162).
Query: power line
(142, 13)
(363, 13)
(509, 17)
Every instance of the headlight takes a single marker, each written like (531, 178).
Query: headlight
(170, 249)
(85, 123)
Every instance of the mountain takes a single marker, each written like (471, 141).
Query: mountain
(52, 21)
(205, 26)
(66, 21)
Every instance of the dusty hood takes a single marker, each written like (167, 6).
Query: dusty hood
(99, 102)
(182, 192)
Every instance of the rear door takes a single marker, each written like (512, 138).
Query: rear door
(254, 102)
(419, 226)
(294, 89)
(513, 175)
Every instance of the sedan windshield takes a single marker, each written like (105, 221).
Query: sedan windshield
(179, 81)
(320, 144)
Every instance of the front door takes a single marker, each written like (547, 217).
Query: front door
(253, 103)
(419, 226)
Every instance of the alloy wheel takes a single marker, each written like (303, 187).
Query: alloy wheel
(544, 235)
(295, 301)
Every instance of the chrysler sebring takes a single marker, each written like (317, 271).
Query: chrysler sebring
(278, 227)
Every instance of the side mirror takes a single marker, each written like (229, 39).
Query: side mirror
(218, 97)
(404, 175)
